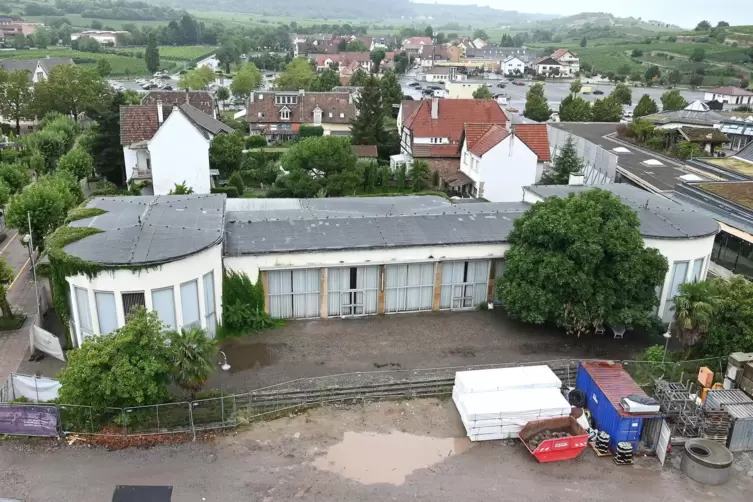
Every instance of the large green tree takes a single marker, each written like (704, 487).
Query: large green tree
(607, 109)
(392, 93)
(622, 94)
(297, 75)
(104, 141)
(367, 128)
(580, 262)
(376, 56)
(69, 89)
(325, 81)
(246, 81)
(16, 96)
(537, 107)
(646, 106)
(575, 109)
(192, 356)
(565, 163)
(673, 100)
(6, 276)
(78, 162)
(419, 175)
(482, 92)
(359, 78)
(731, 326)
(694, 308)
(151, 53)
(226, 153)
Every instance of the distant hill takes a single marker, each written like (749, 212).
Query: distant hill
(607, 19)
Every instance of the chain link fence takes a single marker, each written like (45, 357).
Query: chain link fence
(231, 410)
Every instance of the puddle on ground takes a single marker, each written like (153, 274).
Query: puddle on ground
(242, 356)
(369, 457)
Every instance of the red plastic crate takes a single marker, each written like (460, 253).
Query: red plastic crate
(553, 450)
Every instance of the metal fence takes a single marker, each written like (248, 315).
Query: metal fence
(226, 411)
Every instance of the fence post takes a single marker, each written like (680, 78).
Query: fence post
(190, 419)
(125, 424)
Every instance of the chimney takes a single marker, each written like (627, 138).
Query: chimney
(576, 179)
(160, 116)
(301, 92)
(434, 108)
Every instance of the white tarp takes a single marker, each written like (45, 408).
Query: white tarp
(35, 389)
(46, 342)
(520, 377)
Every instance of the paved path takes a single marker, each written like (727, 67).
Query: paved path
(15, 344)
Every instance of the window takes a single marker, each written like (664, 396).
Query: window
(294, 294)
(209, 312)
(189, 303)
(285, 114)
(697, 270)
(106, 311)
(330, 114)
(163, 302)
(132, 301)
(84, 314)
(342, 115)
(352, 290)
(409, 288)
(317, 117)
(464, 284)
(465, 158)
(679, 275)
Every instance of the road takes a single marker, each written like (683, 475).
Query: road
(15, 344)
(409, 450)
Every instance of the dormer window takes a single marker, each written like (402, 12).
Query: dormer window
(317, 116)
(285, 113)
(286, 99)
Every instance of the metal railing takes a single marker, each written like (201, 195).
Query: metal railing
(231, 410)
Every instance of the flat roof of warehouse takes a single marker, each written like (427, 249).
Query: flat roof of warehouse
(150, 229)
(651, 171)
(265, 226)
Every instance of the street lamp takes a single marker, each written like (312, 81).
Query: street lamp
(225, 366)
(29, 243)
(667, 336)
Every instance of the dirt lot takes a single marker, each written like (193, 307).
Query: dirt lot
(410, 450)
(406, 341)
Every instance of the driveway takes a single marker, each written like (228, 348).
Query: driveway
(403, 341)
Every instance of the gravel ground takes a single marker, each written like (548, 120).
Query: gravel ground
(304, 349)
(320, 455)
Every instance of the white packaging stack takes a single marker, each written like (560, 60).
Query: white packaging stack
(498, 403)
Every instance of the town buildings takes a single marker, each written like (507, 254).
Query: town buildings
(103, 37)
(729, 95)
(38, 68)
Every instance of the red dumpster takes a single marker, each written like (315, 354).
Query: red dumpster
(556, 448)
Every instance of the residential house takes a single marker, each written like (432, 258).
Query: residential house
(513, 65)
(549, 67)
(696, 114)
(500, 162)
(479, 43)
(461, 90)
(168, 145)
(569, 62)
(454, 53)
(38, 68)
(739, 131)
(9, 27)
(279, 115)
(367, 41)
(729, 95)
(203, 100)
(327, 61)
(105, 37)
(431, 53)
(412, 46)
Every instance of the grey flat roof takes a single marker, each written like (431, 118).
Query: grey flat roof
(297, 225)
(661, 178)
(660, 217)
(150, 229)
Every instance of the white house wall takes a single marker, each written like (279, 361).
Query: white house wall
(506, 169)
(179, 152)
(171, 274)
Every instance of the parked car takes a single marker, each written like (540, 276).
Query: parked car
(501, 86)
(414, 84)
(269, 75)
(440, 82)
(598, 92)
(519, 83)
(149, 86)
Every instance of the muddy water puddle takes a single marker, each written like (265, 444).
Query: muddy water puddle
(242, 356)
(369, 457)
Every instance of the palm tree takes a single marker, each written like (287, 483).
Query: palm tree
(694, 308)
(193, 355)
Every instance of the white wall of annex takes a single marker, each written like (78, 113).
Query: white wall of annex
(179, 152)
(506, 169)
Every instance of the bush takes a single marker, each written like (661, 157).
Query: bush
(310, 131)
(77, 162)
(243, 305)
(62, 124)
(15, 176)
(236, 180)
(230, 191)
(256, 141)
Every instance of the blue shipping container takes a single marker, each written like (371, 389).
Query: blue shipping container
(604, 385)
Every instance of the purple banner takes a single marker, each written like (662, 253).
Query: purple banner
(20, 420)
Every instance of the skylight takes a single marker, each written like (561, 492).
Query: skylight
(620, 149)
(691, 177)
(652, 163)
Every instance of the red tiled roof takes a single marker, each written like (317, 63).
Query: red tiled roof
(730, 91)
(453, 115)
(365, 151)
(449, 171)
(420, 150)
(409, 106)
(480, 144)
(139, 122)
(266, 110)
(202, 100)
(361, 57)
(559, 53)
(537, 139)
(418, 41)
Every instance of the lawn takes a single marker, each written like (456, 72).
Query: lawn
(86, 22)
(121, 65)
(735, 165)
(183, 53)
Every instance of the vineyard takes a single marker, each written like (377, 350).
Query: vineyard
(182, 53)
(121, 65)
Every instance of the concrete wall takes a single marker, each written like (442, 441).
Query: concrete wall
(456, 90)
(171, 274)
(179, 153)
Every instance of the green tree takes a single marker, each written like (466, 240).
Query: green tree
(646, 106)
(428, 31)
(607, 109)
(479, 33)
(652, 73)
(565, 163)
(637, 53)
(482, 92)
(151, 53)
(376, 56)
(192, 357)
(130, 366)
(5, 193)
(226, 153)
(589, 269)
(181, 189)
(673, 100)
(359, 78)
(246, 81)
(576, 86)
(693, 311)
(104, 145)
(6, 276)
(698, 55)
(325, 81)
(575, 109)
(236, 180)
(50, 143)
(222, 94)
(15, 176)
(686, 150)
(703, 26)
(104, 69)
(367, 128)
(623, 94)
(77, 162)
(297, 75)
(731, 326)
(583, 42)
(70, 90)
(537, 107)
(674, 77)
(356, 46)
(392, 93)
(16, 96)
(419, 175)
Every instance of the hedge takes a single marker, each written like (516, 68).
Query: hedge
(230, 191)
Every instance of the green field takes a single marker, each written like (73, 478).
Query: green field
(183, 53)
(86, 22)
(121, 65)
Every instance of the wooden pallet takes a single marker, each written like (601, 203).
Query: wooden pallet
(597, 452)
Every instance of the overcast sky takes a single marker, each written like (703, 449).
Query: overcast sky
(686, 13)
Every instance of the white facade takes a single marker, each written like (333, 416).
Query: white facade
(438, 77)
(460, 90)
(510, 65)
(501, 173)
(728, 98)
(103, 37)
(549, 69)
(194, 283)
(177, 153)
(570, 64)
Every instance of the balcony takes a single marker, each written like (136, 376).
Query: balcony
(141, 173)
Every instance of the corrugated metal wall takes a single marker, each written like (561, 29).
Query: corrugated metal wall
(741, 436)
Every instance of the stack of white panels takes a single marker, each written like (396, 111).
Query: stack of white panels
(497, 404)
